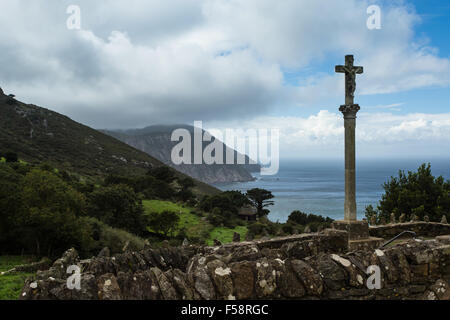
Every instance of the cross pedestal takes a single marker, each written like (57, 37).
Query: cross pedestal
(358, 235)
(358, 231)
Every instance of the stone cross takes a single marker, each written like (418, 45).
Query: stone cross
(349, 109)
(350, 78)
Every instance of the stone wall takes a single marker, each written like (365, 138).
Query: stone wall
(422, 229)
(311, 266)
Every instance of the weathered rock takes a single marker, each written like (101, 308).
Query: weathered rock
(421, 228)
(402, 218)
(203, 284)
(444, 219)
(141, 285)
(248, 252)
(59, 268)
(307, 229)
(270, 269)
(198, 275)
(265, 279)
(108, 288)
(104, 253)
(333, 275)
(126, 246)
(165, 244)
(167, 290)
(441, 289)
(147, 244)
(310, 278)
(356, 277)
(289, 284)
(221, 275)
(181, 284)
(393, 220)
(185, 242)
(243, 279)
(426, 218)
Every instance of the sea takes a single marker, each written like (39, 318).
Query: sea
(317, 186)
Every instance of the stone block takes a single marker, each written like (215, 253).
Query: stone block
(365, 244)
(356, 229)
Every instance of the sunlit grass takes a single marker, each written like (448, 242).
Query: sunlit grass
(11, 284)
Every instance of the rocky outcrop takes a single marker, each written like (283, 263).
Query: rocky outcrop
(314, 266)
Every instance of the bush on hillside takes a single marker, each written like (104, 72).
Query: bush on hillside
(103, 235)
(418, 193)
(118, 206)
(165, 222)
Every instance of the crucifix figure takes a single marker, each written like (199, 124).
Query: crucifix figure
(349, 110)
(350, 78)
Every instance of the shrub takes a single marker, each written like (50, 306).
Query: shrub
(103, 235)
(417, 193)
(165, 222)
(118, 206)
(302, 218)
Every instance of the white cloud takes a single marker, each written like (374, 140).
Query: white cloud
(143, 62)
(378, 134)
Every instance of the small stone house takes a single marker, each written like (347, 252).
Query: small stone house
(248, 213)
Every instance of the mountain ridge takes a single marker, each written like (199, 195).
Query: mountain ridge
(38, 134)
(156, 141)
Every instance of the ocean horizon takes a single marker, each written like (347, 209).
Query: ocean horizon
(317, 186)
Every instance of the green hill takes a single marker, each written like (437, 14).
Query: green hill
(37, 134)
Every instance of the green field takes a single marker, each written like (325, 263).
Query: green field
(194, 225)
(225, 235)
(11, 285)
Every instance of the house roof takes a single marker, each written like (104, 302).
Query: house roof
(247, 211)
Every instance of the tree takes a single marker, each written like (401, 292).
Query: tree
(49, 214)
(237, 197)
(44, 189)
(299, 217)
(185, 193)
(10, 202)
(165, 222)
(260, 199)
(163, 173)
(418, 193)
(118, 206)
(220, 201)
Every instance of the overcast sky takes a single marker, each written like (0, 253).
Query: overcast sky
(239, 64)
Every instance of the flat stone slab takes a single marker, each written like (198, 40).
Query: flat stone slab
(365, 244)
(357, 230)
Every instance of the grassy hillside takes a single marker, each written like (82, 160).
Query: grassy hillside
(194, 224)
(12, 284)
(225, 235)
(40, 135)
